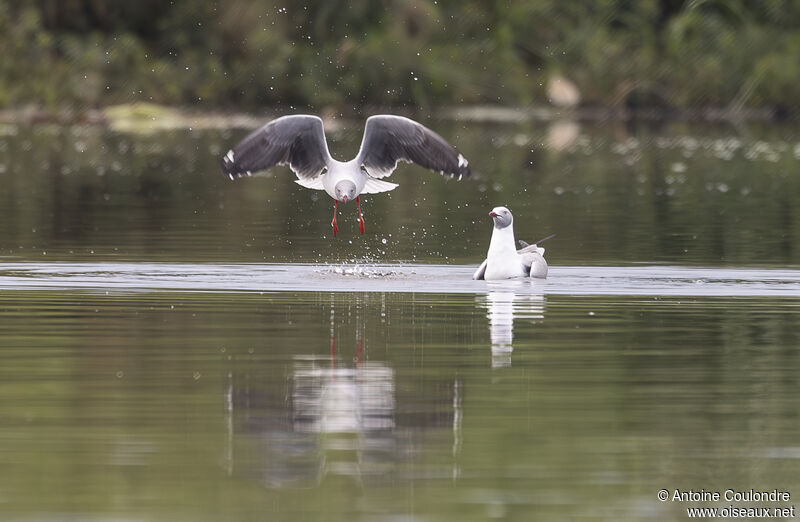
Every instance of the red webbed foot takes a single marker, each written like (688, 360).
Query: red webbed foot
(360, 216)
(335, 225)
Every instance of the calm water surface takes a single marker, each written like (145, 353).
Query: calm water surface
(175, 347)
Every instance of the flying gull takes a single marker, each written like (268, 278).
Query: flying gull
(299, 142)
(504, 261)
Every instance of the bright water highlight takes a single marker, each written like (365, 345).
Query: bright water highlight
(413, 278)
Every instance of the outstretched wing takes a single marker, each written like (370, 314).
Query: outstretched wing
(297, 141)
(389, 139)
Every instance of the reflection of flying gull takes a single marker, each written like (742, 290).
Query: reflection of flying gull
(504, 261)
(342, 400)
(299, 141)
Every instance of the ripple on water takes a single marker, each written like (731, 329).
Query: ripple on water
(567, 280)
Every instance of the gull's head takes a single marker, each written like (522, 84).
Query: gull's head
(502, 217)
(345, 191)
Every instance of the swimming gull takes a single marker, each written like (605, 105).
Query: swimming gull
(299, 142)
(504, 261)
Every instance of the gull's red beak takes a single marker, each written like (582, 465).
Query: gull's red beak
(493, 214)
(344, 199)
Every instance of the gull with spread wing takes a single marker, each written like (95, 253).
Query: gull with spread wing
(299, 142)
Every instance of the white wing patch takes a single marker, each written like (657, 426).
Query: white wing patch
(462, 162)
(313, 183)
(229, 156)
(373, 186)
(383, 171)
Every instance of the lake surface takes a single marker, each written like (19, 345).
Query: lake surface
(179, 347)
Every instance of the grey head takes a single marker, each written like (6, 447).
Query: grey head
(502, 217)
(345, 191)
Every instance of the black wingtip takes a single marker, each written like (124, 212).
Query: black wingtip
(231, 170)
(458, 173)
(463, 167)
(551, 236)
(228, 165)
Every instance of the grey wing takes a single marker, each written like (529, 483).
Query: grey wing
(533, 257)
(529, 255)
(534, 262)
(531, 249)
(527, 261)
(297, 141)
(479, 273)
(389, 139)
(524, 244)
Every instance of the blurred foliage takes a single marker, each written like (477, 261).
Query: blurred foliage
(347, 54)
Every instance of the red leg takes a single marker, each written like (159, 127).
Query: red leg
(360, 216)
(333, 223)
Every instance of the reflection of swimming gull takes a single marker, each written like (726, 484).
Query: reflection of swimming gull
(299, 141)
(502, 307)
(503, 260)
(501, 321)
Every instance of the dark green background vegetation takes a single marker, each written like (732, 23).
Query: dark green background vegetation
(345, 54)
